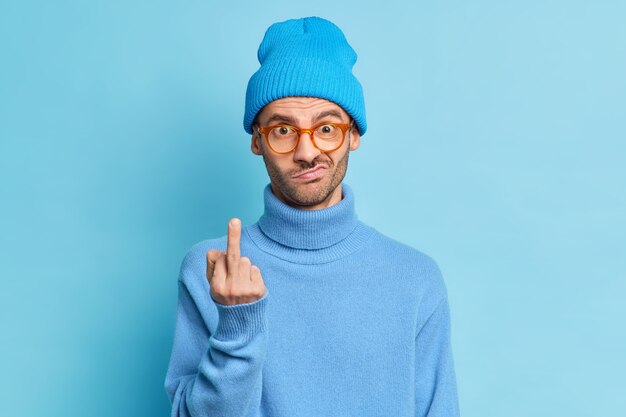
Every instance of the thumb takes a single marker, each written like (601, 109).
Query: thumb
(211, 258)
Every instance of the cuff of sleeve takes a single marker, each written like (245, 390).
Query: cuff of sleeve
(241, 320)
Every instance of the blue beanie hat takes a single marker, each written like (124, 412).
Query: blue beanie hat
(308, 57)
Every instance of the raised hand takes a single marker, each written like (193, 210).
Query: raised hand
(232, 278)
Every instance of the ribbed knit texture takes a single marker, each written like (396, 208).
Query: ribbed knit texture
(354, 324)
(308, 57)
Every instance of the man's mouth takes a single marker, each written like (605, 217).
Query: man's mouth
(312, 173)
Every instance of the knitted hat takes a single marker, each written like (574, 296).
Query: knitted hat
(308, 57)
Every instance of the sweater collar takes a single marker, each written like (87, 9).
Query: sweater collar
(308, 229)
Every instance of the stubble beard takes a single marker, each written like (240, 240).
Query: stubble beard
(304, 194)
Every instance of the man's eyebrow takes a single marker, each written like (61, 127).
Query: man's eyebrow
(327, 113)
(281, 119)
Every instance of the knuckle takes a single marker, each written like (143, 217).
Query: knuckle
(217, 288)
(245, 260)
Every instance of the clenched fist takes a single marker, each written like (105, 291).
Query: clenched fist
(232, 278)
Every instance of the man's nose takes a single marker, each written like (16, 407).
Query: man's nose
(305, 151)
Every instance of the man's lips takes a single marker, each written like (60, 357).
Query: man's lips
(312, 173)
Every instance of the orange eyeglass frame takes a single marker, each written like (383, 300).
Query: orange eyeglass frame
(343, 126)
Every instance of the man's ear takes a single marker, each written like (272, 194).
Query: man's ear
(255, 144)
(355, 138)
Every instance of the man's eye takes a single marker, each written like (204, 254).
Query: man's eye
(326, 129)
(283, 130)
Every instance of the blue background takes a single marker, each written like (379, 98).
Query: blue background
(495, 145)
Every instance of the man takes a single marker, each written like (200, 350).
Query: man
(309, 312)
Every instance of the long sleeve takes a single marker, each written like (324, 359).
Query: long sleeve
(219, 374)
(436, 391)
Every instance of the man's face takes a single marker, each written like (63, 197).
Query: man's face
(320, 188)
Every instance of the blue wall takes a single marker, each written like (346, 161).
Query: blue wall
(495, 144)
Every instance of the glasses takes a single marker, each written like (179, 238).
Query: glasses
(326, 137)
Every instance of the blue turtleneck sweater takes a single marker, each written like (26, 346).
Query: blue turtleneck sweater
(353, 324)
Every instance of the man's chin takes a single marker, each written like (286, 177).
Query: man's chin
(309, 193)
